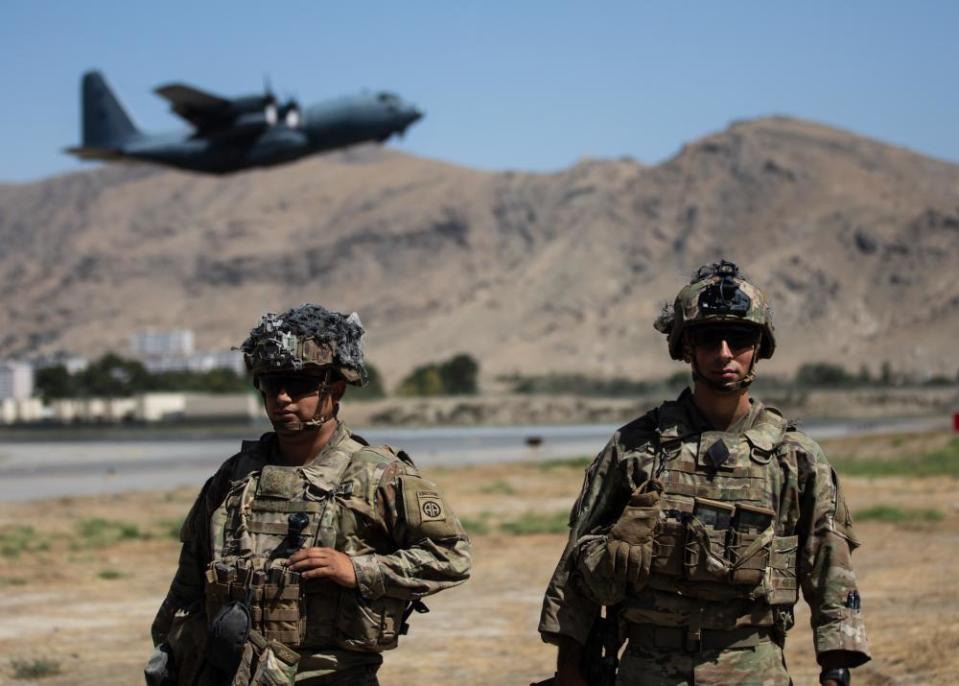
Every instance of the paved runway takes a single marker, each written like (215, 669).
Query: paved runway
(46, 469)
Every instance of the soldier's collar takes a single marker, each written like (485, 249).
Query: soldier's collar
(696, 421)
(340, 434)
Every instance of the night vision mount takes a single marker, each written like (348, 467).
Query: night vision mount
(725, 297)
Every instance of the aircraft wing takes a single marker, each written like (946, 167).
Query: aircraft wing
(201, 109)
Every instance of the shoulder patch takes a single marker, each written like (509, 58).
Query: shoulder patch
(426, 513)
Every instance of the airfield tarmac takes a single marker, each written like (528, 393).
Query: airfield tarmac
(48, 466)
(81, 592)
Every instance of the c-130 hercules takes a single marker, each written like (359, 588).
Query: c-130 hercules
(238, 133)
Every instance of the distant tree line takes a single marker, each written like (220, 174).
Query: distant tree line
(116, 376)
(581, 384)
(811, 375)
(455, 376)
(113, 376)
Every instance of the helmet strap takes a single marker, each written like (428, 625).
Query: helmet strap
(318, 420)
(735, 386)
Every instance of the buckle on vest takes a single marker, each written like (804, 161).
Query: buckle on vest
(693, 640)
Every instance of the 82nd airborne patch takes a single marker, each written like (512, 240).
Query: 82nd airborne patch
(431, 507)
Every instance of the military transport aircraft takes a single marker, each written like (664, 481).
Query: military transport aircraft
(231, 134)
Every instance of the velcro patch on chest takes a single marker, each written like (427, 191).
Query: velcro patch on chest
(719, 451)
(279, 482)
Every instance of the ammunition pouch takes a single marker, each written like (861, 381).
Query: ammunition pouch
(180, 659)
(265, 663)
(229, 632)
(273, 512)
(729, 545)
(316, 613)
(160, 670)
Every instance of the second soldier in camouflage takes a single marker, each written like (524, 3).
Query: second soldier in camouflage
(702, 521)
(305, 553)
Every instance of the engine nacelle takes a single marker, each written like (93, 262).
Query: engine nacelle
(291, 115)
(252, 122)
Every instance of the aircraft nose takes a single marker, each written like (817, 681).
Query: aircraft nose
(410, 115)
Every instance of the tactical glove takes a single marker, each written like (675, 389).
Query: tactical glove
(630, 541)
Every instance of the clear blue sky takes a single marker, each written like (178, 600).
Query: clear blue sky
(505, 85)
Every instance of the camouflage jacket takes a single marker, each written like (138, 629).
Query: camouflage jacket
(403, 539)
(772, 467)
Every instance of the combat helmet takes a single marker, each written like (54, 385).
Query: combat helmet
(307, 338)
(717, 293)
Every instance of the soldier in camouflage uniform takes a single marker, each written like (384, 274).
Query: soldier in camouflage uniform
(700, 522)
(304, 554)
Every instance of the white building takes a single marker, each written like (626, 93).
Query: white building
(16, 380)
(172, 343)
(197, 362)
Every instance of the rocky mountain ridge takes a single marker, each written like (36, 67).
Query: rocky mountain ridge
(856, 242)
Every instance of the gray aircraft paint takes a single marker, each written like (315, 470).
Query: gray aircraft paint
(234, 134)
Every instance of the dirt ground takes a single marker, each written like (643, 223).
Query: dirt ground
(79, 587)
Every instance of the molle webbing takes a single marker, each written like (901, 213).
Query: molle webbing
(276, 610)
(716, 539)
(252, 534)
(297, 506)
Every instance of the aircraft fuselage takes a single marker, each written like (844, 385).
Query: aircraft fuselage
(257, 135)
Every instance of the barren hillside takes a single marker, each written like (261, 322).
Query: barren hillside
(857, 243)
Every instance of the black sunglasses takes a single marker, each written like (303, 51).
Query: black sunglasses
(737, 337)
(295, 385)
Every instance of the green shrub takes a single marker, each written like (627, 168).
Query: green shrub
(21, 539)
(941, 462)
(498, 487)
(372, 390)
(456, 376)
(114, 376)
(824, 375)
(578, 463)
(99, 533)
(475, 526)
(34, 669)
(537, 523)
(895, 515)
(111, 574)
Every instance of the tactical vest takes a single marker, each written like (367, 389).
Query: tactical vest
(250, 539)
(721, 546)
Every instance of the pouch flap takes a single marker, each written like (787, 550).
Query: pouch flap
(279, 482)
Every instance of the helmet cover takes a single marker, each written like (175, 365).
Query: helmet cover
(718, 293)
(305, 338)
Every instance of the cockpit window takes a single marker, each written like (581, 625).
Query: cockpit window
(388, 98)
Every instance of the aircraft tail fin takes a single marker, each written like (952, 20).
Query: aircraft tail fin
(105, 123)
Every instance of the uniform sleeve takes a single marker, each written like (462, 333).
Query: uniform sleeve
(825, 569)
(433, 550)
(570, 606)
(186, 589)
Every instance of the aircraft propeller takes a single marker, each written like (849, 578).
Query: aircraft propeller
(290, 112)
